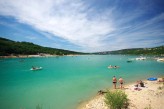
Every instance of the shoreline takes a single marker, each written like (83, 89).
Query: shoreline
(35, 56)
(149, 96)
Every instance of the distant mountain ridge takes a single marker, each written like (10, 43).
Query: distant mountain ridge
(8, 47)
(137, 51)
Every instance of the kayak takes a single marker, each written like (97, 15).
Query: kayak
(129, 61)
(152, 79)
(37, 68)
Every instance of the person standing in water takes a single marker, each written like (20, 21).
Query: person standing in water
(114, 82)
(121, 81)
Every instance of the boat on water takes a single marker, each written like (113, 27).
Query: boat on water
(36, 68)
(141, 58)
(115, 67)
(160, 59)
(128, 61)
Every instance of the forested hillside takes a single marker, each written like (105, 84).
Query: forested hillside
(8, 47)
(138, 51)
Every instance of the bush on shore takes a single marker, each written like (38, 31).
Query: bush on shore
(116, 99)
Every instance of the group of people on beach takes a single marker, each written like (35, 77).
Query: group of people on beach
(121, 81)
(139, 83)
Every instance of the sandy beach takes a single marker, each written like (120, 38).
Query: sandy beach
(150, 96)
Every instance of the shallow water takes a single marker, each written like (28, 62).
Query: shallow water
(66, 81)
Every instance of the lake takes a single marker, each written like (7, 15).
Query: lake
(66, 81)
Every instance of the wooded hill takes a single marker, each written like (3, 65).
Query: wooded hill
(138, 51)
(8, 47)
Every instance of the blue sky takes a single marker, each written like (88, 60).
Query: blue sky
(84, 25)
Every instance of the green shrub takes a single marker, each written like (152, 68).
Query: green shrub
(116, 99)
(38, 107)
(160, 88)
(148, 107)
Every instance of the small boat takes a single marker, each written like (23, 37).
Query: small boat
(160, 59)
(141, 58)
(111, 67)
(152, 79)
(128, 61)
(36, 68)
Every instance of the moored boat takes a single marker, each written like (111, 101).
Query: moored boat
(141, 58)
(160, 59)
(36, 68)
(111, 67)
(128, 61)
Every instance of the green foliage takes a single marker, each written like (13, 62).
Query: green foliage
(161, 87)
(116, 99)
(38, 107)
(138, 51)
(148, 107)
(8, 47)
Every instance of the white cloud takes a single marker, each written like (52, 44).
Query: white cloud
(69, 20)
(79, 23)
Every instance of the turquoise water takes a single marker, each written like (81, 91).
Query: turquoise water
(66, 81)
